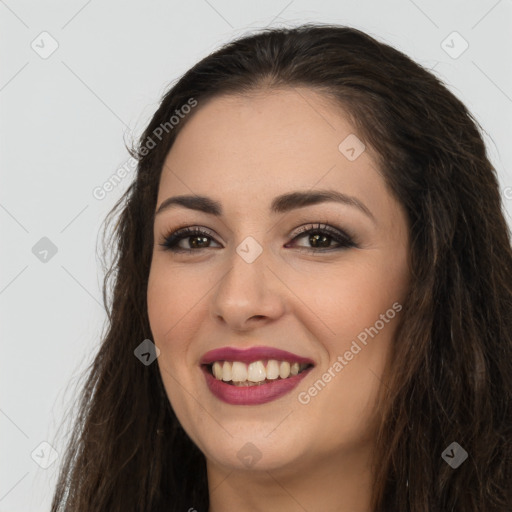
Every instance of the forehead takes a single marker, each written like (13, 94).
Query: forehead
(252, 147)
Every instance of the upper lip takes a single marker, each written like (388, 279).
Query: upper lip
(252, 354)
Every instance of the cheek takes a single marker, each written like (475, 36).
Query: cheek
(167, 313)
(357, 308)
(165, 309)
(160, 303)
(177, 302)
(347, 299)
(169, 298)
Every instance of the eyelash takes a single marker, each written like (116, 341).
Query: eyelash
(346, 241)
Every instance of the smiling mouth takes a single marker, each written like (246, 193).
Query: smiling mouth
(256, 373)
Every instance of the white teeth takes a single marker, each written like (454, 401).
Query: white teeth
(284, 369)
(226, 371)
(256, 372)
(239, 372)
(272, 369)
(217, 370)
(242, 374)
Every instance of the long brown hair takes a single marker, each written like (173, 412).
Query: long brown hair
(449, 378)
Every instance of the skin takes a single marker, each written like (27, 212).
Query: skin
(243, 151)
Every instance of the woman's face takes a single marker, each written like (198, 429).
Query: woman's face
(253, 279)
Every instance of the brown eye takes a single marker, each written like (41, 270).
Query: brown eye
(320, 238)
(198, 239)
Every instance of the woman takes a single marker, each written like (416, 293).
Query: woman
(312, 295)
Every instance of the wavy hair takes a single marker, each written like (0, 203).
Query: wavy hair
(449, 377)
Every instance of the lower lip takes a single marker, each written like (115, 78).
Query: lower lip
(252, 395)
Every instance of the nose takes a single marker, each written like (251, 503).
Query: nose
(248, 295)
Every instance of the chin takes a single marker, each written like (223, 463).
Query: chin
(250, 451)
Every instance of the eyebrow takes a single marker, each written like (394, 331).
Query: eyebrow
(280, 204)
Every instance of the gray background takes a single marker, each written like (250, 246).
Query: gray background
(63, 121)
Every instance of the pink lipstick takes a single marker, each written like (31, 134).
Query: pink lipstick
(261, 392)
(249, 355)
